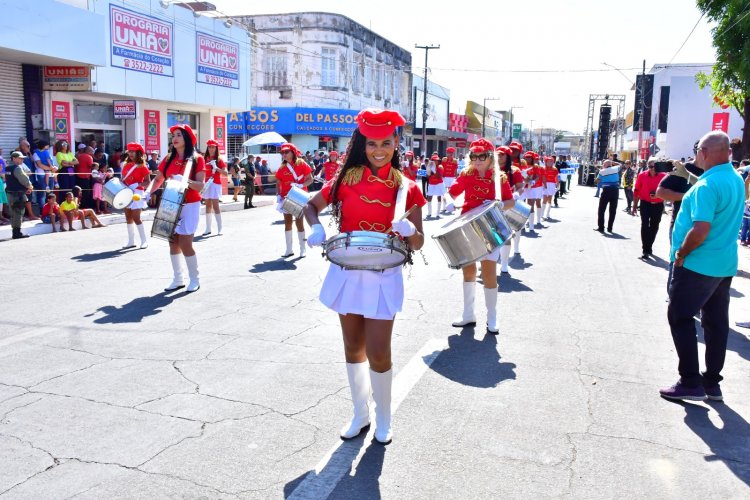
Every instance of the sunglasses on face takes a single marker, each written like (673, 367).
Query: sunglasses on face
(480, 157)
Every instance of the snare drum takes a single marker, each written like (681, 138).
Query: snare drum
(366, 250)
(518, 215)
(117, 194)
(295, 201)
(473, 235)
(168, 214)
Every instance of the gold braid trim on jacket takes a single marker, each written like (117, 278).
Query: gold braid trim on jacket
(354, 175)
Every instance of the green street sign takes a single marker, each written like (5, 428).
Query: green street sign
(517, 130)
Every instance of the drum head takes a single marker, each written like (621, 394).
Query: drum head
(122, 199)
(366, 250)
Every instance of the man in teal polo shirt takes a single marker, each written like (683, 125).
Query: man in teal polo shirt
(704, 253)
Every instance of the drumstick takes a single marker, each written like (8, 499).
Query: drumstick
(406, 214)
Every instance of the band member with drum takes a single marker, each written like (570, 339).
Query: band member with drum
(332, 166)
(550, 174)
(173, 166)
(435, 186)
(293, 172)
(477, 183)
(218, 169)
(136, 174)
(505, 162)
(533, 188)
(450, 169)
(364, 197)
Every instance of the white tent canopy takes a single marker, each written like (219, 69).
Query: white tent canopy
(265, 138)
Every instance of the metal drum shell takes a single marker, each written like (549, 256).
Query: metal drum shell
(472, 235)
(170, 207)
(117, 194)
(518, 215)
(295, 201)
(370, 251)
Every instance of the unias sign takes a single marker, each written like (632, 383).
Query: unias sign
(218, 61)
(140, 42)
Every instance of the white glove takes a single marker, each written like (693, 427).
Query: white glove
(279, 199)
(294, 184)
(404, 227)
(317, 237)
(177, 177)
(450, 207)
(516, 196)
(146, 196)
(212, 163)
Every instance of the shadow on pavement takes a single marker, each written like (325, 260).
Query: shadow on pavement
(364, 484)
(510, 284)
(137, 309)
(550, 219)
(727, 442)
(656, 262)
(743, 274)
(517, 262)
(616, 236)
(109, 254)
(735, 294)
(472, 362)
(275, 265)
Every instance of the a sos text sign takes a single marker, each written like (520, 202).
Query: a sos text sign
(140, 42)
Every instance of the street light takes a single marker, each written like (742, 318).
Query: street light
(484, 109)
(511, 120)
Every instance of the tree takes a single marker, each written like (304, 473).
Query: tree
(730, 77)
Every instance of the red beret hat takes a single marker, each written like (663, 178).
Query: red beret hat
(410, 153)
(134, 146)
(288, 146)
(185, 129)
(529, 154)
(212, 142)
(435, 157)
(481, 146)
(549, 158)
(334, 153)
(503, 149)
(517, 146)
(378, 124)
(450, 150)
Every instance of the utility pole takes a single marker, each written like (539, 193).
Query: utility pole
(531, 135)
(423, 146)
(640, 113)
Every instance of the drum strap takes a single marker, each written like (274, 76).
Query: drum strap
(401, 198)
(297, 178)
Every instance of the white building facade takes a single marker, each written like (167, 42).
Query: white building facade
(317, 71)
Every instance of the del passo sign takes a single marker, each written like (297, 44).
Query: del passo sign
(310, 121)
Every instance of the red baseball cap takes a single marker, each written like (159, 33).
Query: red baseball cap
(450, 150)
(378, 124)
(504, 150)
(481, 146)
(134, 146)
(185, 129)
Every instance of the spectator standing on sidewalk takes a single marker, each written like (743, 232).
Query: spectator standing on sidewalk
(250, 175)
(652, 207)
(83, 175)
(66, 163)
(628, 179)
(28, 166)
(18, 188)
(704, 252)
(3, 196)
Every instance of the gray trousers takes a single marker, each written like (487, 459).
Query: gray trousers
(17, 204)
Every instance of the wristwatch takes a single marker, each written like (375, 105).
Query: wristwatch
(678, 255)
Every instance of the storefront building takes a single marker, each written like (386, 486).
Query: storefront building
(155, 64)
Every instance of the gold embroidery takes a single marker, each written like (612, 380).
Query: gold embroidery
(395, 176)
(353, 176)
(387, 182)
(366, 226)
(482, 190)
(368, 200)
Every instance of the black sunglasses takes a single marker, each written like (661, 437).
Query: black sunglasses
(480, 157)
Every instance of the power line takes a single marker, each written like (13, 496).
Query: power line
(744, 15)
(686, 39)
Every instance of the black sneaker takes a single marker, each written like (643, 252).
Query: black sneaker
(600, 229)
(683, 393)
(713, 392)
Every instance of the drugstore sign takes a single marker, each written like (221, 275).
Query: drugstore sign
(308, 121)
(141, 43)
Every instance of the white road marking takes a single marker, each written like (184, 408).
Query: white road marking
(344, 456)
(20, 337)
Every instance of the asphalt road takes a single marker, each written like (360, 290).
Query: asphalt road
(111, 388)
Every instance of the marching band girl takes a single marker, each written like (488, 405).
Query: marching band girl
(294, 171)
(513, 174)
(435, 186)
(136, 174)
(363, 198)
(477, 183)
(173, 167)
(216, 169)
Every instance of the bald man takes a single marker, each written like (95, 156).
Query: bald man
(704, 255)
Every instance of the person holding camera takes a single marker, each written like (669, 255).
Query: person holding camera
(651, 206)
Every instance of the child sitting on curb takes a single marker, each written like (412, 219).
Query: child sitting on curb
(51, 213)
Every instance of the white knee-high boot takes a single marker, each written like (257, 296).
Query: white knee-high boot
(288, 238)
(539, 211)
(218, 222)
(381, 394)
(142, 234)
(192, 265)
(549, 208)
(208, 224)
(177, 281)
(490, 300)
(131, 236)
(359, 384)
(429, 208)
(301, 239)
(504, 258)
(517, 242)
(468, 318)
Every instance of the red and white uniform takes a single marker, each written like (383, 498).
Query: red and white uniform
(287, 175)
(135, 177)
(450, 170)
(410, 171)
(213, 192)
(190, 214)
(329, 170)
(435, 186)
(550, 180)
(369, 205)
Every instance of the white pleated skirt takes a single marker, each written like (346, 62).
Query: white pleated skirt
(189, 216)
(140, 204)
(213, 192)
(448, 181)
(373, 294)
(435, 189)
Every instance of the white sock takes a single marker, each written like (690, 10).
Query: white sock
(131, 234)
(142, 234)
(218, 222)
(208, 222)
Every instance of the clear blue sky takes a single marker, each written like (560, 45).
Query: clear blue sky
(528, 35)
